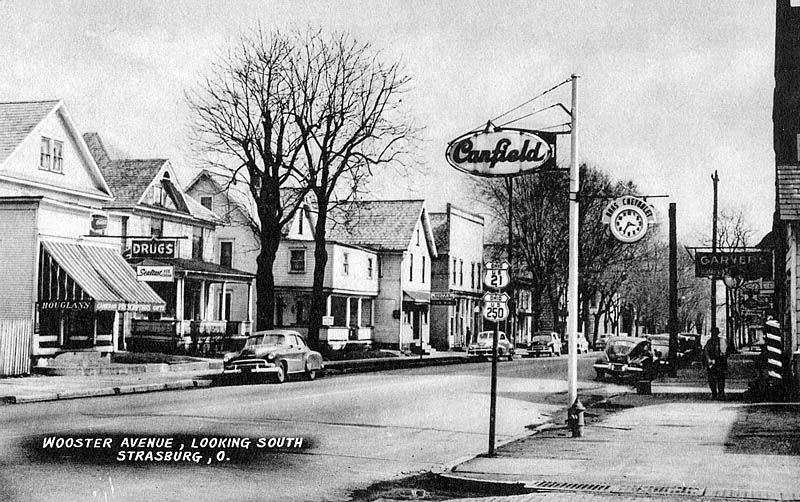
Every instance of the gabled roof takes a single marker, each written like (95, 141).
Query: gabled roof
(441, 232)
(383, 225)
(17, 121)
(787, 182)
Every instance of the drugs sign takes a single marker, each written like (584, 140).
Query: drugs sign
(153, 248)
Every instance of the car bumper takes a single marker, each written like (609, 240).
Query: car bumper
(484, 351)
(618, 369)
(250, 366)
(538, 351)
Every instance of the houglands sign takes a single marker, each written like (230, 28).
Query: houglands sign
(502, 152)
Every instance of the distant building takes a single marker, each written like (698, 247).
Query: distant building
(63, 285)
(456, 279)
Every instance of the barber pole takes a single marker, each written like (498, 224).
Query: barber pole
(774, 343)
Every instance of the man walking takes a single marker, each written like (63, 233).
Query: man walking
(716, 363)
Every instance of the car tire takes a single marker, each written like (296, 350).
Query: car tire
(310, 374)
(280, 375)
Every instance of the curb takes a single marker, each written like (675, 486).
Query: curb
(108, 391)
(126, 369)
(389, 363)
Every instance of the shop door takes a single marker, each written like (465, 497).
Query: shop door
(415, 324)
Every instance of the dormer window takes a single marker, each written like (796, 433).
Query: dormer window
(51, 157)
(159, 192)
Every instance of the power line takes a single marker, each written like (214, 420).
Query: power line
(527, 102)
(528, 115)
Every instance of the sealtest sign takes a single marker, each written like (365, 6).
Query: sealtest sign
(155, 273)
(502, 152)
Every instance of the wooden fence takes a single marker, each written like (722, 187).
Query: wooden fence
(15, 347)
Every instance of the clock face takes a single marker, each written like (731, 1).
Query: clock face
(628, 224)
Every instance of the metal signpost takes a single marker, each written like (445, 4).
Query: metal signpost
(495, 309)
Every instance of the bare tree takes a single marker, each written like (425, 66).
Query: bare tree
(243, 124)
(347, 107)
(295, 116)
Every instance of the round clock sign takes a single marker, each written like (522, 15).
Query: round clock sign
(628, 218)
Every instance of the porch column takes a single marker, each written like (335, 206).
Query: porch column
(360, 321)
(250, 301)
(202, 300)
(328, 305)
(209, 302)
(347, 310)
(179, 299)
(223, 308)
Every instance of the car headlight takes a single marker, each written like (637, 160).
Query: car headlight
(270, 356)
(227, 357)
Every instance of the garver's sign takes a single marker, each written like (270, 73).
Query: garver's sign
(502, 152)
(153, 248)
(746, 264)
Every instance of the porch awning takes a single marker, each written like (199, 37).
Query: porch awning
(419, 297)
(199, 269)
(75, 272)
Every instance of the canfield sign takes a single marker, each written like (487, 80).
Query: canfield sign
(502, 152)
(746, 264)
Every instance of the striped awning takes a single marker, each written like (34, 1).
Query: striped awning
(99, 273)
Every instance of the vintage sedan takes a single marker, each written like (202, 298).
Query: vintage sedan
(626, 357)
(481, 345)
(545, 343)
(276, 352)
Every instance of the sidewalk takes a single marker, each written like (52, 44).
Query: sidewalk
(674, 444)
(120, 379)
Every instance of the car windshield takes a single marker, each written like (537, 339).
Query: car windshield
(486, 336)
(269, 339)
(542, 338)
(620, 347)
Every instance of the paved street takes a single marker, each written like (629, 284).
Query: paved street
(357, 429)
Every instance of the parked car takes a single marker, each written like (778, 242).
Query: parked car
(582, 344)
(545, 343)
(689, 346)
(481, 345)
(660, 347)
(601, 342)
(277, 352)
(626, 357)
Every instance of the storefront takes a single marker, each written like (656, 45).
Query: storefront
(82, 291)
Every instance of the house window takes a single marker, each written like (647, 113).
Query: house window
(300, 223)
(159, 195)
(353, 313)
(297, 261)
(423, 269)
(455, 271)
(461, 272)
(366, 312)
(411, 269)
(207, 202)
(44, 158)
(380, 267)
(339, 310)
(226, 254)
(417, 237)
(58, 156)
(197, 243)
(369, 268)
(346, 263)
(156, 227)
(472, 276)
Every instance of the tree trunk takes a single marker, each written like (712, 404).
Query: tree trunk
(265, 282)
(318, 303)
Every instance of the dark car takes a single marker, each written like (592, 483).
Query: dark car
(660, 346)
(275, 352)
(481, 345)
(545, 343)
(626, 357)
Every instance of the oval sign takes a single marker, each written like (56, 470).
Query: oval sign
(501, 152)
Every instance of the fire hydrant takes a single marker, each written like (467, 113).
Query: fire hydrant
(575, 420)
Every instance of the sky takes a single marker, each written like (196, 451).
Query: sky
(670, 91)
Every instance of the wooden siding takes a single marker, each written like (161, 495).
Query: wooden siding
(18, 252)
(15, 346)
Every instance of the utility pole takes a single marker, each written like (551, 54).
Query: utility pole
(572, 279)
(673, 292)
(715, 179)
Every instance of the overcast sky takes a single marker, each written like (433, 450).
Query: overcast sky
(670, 90)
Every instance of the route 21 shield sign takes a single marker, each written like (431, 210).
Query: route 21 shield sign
(497, 274)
